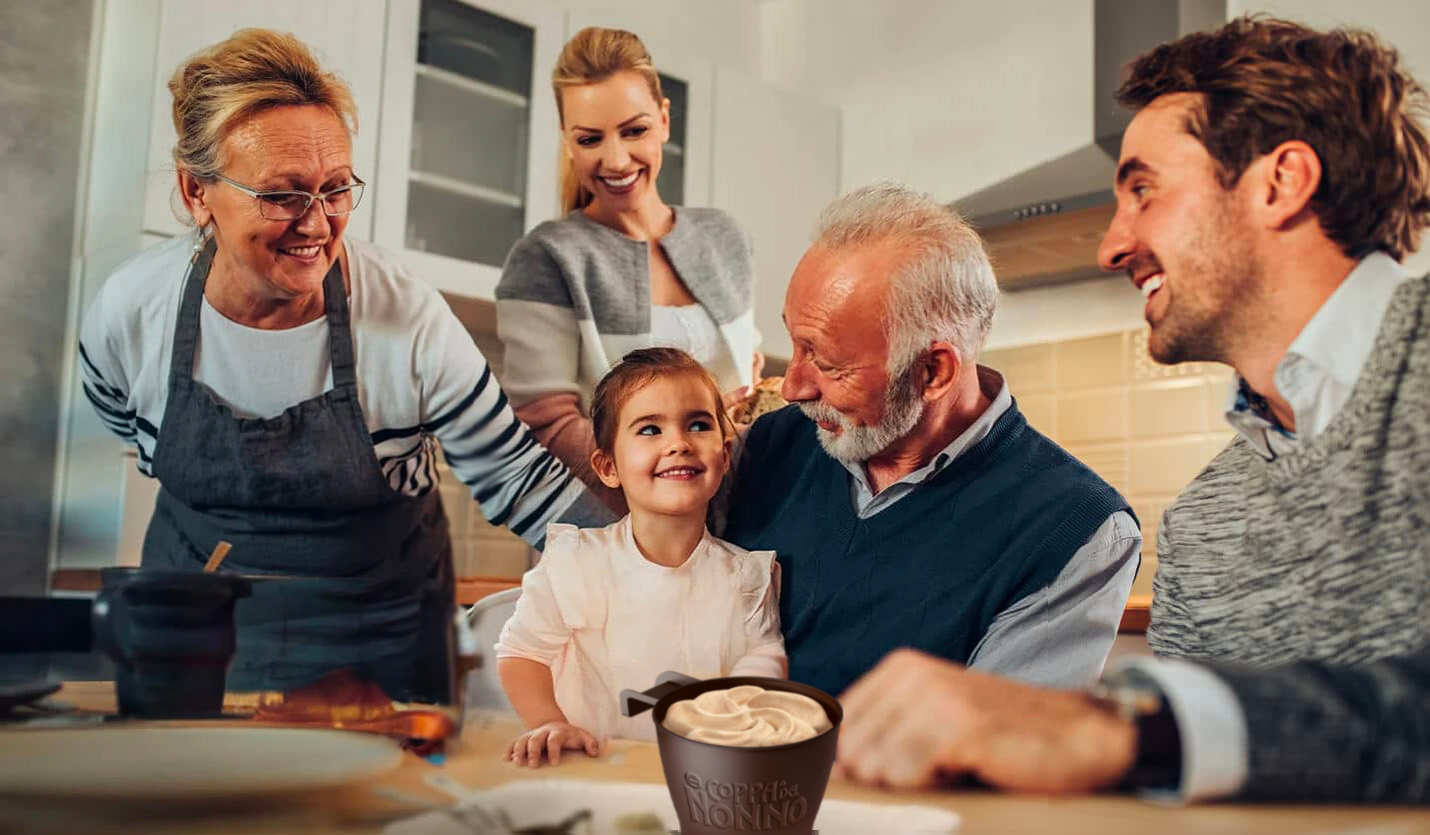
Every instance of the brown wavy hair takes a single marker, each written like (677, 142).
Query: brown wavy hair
(1344, 92)
(635, 371)
(590, 57)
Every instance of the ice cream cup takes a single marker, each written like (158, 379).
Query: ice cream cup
(720, 788)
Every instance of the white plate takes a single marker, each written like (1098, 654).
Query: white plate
(535, 802)
(157, 762)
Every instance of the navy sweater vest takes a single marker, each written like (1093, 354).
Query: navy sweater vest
(931, 571)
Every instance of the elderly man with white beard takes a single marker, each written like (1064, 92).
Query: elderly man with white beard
(909, 502)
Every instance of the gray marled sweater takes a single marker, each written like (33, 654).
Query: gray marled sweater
(1320, 554)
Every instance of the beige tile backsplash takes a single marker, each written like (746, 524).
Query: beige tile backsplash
(1146, 428)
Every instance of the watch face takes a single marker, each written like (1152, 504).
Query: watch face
(1133, 692)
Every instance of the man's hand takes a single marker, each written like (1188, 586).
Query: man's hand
(550, 740)
(915, 718)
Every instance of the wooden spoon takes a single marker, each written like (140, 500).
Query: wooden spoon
(220, 551)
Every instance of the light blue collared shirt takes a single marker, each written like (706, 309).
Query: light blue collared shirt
(1323, 363)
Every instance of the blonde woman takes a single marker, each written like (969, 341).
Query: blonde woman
(620, 269)
(285, 383)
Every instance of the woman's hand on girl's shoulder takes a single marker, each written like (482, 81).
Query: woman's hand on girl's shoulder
(546, 742)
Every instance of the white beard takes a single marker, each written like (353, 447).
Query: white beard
(903, 409)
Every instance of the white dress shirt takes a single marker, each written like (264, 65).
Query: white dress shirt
(1060, 635)
(1316, 377)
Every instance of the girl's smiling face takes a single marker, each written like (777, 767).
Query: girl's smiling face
(670, 453)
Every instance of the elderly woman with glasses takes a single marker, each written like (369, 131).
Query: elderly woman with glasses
(286, 384)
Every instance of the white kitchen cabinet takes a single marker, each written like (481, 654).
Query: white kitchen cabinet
(347, 37)
(469, 135)
(775, 168)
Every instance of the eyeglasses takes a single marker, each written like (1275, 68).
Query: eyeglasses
(291, 205)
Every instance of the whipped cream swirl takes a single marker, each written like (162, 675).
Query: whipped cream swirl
(747, 717)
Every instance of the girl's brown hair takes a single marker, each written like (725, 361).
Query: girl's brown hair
(635, 371)
(1345, 93)
(590, 57)
(250, 71)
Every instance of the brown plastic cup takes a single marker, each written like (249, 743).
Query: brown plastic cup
(720, 788)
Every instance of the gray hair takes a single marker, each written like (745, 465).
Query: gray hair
(945, 290)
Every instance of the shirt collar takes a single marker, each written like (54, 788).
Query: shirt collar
(1340, 337)
(1331, 349)
(1246, 413)
(994, 387)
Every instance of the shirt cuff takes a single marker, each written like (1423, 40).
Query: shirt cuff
(762, 666)
(1210, 723)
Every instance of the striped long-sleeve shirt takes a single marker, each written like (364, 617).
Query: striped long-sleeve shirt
(422, 382)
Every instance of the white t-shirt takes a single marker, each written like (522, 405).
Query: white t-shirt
(255, 372)
(606, 619)
(420, 379)
(690, 328)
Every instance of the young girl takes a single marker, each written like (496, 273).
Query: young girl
(611, 608)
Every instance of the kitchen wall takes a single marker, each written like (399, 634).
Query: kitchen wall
(44, 49)
(953, 96)
(728, 31)
(1146, 428)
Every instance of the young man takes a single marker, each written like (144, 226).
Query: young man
(1271, 181)
(1268, 186)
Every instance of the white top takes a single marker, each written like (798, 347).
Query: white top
(420, 379)
(1322, 365)
(605, 619)
(256, 372)
(687, 327)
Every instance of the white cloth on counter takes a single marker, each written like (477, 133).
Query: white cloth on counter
(606, 619)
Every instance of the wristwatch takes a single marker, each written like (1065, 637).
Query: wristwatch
(1134, 696)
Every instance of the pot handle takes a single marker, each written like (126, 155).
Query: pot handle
(634, 702)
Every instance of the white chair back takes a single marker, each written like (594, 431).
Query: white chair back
(485, 619)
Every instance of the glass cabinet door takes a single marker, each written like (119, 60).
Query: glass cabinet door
(466, 189)
(671, 181)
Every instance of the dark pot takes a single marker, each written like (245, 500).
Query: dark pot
(171, 635)
(719, 788)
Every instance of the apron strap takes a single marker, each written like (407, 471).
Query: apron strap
(340, 336)
(335, 304)
(186, 329)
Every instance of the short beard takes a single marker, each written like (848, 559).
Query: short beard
(903, 409)
(1204, 328)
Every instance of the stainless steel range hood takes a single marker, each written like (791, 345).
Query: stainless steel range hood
(1043, 225)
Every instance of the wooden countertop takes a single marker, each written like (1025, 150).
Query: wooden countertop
(475, 761)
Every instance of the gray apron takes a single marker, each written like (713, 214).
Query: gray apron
(363, 573)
